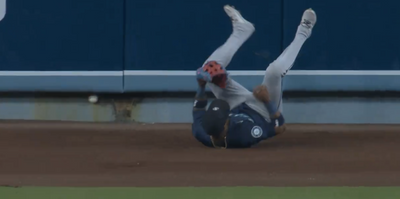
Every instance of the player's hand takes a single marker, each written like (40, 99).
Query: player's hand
(203, 75)
(260, 92)
(214, 73)
(280, 129)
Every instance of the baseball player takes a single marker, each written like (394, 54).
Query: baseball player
(239, 118)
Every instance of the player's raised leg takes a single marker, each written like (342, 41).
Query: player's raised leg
(278, 69)
(233, 93)
(242, 30)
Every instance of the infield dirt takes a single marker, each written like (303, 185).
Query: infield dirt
(99, 154)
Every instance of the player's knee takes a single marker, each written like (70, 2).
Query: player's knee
(275, 69)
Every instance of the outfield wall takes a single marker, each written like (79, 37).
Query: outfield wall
(127, 46)
(155, 45)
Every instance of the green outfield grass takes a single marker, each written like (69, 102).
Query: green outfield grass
(202, 193)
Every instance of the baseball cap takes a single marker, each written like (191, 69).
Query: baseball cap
(215, 117)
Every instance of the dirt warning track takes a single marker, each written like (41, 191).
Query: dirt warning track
(99, 154)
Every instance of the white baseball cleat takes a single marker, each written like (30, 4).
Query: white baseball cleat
(234, 14)
(309, 18)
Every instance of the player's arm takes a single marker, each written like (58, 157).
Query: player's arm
(261, 93)
(199, 109)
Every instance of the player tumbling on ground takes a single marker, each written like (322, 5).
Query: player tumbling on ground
(239, 118)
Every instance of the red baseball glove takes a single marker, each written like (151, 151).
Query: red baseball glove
(214, 73)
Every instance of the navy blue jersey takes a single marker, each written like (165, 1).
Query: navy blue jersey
(246, 127)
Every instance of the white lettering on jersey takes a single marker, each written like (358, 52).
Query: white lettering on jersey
(244, 116)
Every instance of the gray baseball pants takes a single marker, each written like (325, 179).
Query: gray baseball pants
(234, 93)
